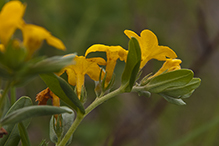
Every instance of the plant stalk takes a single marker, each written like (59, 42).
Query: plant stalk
(13, 95)
(3, 96)
(80, 116)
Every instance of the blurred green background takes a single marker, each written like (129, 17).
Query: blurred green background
(189, 27)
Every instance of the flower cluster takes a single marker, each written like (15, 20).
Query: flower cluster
(149, 50)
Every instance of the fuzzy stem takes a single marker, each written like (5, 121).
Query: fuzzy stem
(80, 116)
(3, 96)
(13, 95)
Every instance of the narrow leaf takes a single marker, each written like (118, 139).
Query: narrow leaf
(31, 111)
(179, 91)
(53, 64)
(170, 79)
(23, 134)
(13, 136)
(63, 90)
(132, 65)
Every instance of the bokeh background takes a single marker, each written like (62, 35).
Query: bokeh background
(189, 27)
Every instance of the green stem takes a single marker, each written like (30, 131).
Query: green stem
(13, 95)
(80, 116)
(2, 97)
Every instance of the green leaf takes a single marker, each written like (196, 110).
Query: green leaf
(163, 81)
(173, 100)
(187, 95)
(180, 91)
(13, 136)
(31, 111)
(53, 64)
(23, 134)
(132, 65)
(26, 70)
(63, 90)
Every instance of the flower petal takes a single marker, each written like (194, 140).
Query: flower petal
(34, 35)
(149, 47)
(93, 71)
(10, 18)
(82, 66)
(2, 48)
(71, 76)
(169, 65)
(112, 53)
(79, 83)
(55, 42)
(97, 60)
(162, 52)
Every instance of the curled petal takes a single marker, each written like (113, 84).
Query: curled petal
(43, 97)
(130, 34)
(111, 51)
(96, 48)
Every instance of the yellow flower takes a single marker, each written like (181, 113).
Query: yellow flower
(10, 19)
(2, 48)
(82, 66)
(149, 47)
(169, 65)
(112, 53)
(33, 37)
